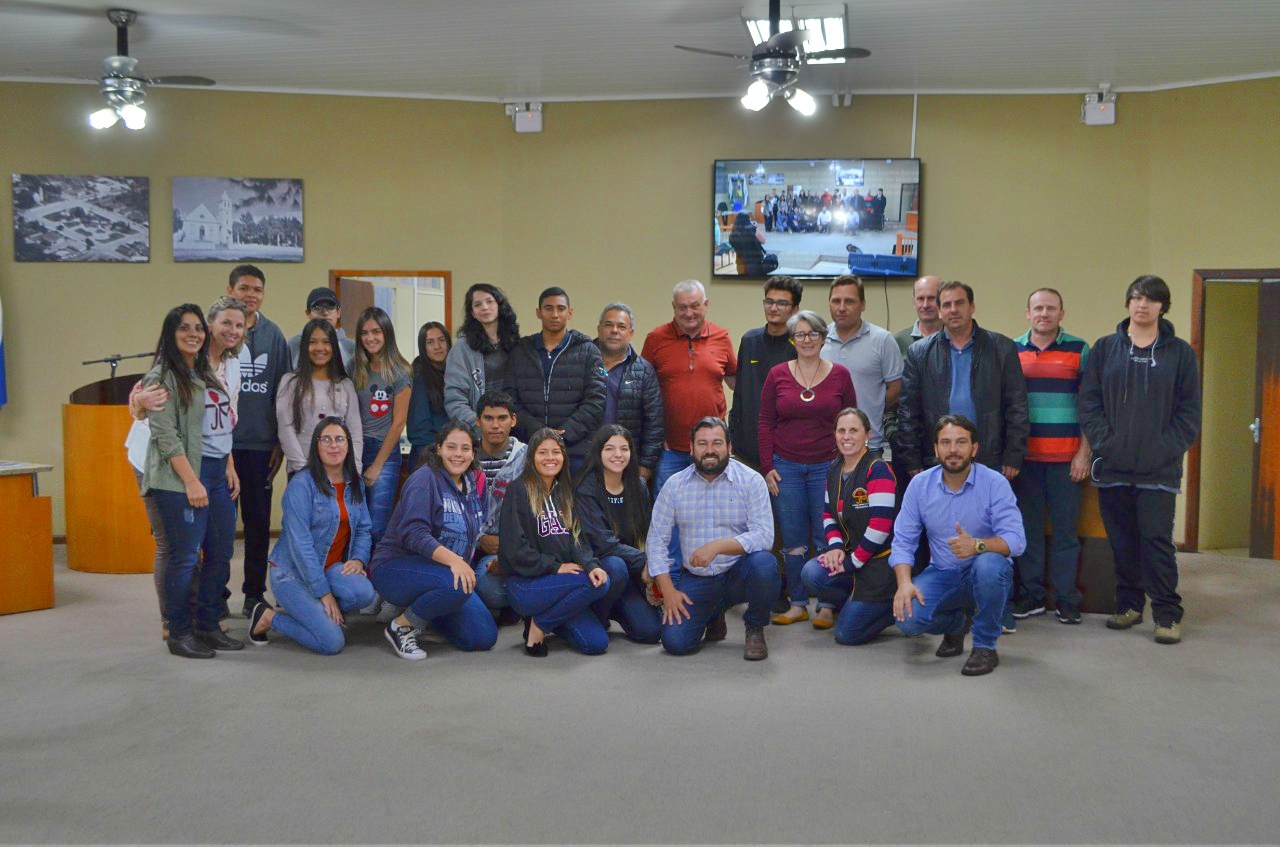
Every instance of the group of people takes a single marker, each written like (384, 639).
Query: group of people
(831, 211)
(569, 482)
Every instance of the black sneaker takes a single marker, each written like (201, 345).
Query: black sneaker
(1028, 608)
(256, 615)
(188, 647)
(251, 600)
(1068, 614)
(404, 640)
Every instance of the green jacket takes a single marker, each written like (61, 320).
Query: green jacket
(175, 430)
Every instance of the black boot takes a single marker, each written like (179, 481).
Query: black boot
(188, 647)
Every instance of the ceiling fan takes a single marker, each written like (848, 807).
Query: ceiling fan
(123, 89)
(776, 62)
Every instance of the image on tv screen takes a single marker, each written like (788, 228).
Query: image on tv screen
(816, 217)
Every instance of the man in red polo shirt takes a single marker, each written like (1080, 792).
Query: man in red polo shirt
(694, 359)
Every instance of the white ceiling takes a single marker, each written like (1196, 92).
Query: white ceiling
(553, 50)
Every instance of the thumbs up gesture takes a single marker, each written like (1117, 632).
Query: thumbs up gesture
(962, 543)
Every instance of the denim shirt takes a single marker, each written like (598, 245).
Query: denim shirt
(308, 527)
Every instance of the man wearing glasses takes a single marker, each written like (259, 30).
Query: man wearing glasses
(322, 305)
(758, 351)
(694, 359)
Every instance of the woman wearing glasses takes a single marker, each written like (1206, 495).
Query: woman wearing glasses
(317, 566)
(798, 409)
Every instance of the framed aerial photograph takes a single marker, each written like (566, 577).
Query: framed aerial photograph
(228, 219)
(81, 218)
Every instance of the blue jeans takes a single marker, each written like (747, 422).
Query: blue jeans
(189, 531)
(563, 603)
(948, 593)
(857, 621)
(491, 585)
(301, 615)
(1041, 485)
(425, 591)
(669, 463)
(381, 496)
(640, 621)
(752, 579)
(801, 492)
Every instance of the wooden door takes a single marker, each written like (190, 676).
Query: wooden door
(1264, 527)
(354, 296)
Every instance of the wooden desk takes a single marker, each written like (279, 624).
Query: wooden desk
(26, 545)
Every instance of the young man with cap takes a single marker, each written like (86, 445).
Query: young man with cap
(322, 304)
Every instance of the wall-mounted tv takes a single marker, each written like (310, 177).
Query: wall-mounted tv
(816, 218)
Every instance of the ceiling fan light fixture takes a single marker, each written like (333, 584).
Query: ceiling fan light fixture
(758, 24)
(135, 117)
(758, 96)
(103, 118)
(801, 101)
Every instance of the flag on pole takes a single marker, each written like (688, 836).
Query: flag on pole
(4, 391)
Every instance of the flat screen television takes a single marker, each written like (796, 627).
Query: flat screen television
(816, 218)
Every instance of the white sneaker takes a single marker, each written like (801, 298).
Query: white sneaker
(404, 640)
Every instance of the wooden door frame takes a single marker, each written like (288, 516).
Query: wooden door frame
(1199, 279)
(447, 276)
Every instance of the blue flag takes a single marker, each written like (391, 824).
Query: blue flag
(4, 390)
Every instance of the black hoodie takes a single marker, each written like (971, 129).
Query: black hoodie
(1140, 407)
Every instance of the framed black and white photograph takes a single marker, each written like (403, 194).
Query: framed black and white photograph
(81, 218)
(228, 219)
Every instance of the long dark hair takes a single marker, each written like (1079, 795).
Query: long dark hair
(316, 466)
(473, 331)
(561, 493)
(303, 372)
(391, 365)
(170, 357)
(633, 488)
(432, 457)
(426, 371)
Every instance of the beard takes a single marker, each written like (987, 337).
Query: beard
(712, 464)
(957, 464)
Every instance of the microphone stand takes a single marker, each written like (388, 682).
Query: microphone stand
(114, 362)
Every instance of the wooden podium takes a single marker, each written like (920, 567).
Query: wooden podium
(26, 545)
(107, 527)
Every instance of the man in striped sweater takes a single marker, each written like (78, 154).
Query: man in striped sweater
(1057, 458)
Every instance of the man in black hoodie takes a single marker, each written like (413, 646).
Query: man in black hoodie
(1140, 410)
(558, 379)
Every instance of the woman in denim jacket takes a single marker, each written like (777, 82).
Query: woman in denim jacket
(317, 565)
(422, 563)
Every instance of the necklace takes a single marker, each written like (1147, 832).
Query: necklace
(807, 395)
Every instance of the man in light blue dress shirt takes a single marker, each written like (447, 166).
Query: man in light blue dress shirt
(720, 508)
(974, 529)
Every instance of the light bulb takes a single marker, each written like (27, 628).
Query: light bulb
(135, 117)
(103, 118)
(802, 101)
(757, 96)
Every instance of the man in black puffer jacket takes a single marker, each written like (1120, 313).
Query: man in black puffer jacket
(633, 397)
(994, 396)
(557, 378)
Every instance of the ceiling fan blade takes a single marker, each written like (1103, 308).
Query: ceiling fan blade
(713, 52)
(844, 53)
(181, 80)
(789, 40)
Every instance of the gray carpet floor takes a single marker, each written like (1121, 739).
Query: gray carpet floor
(1081, 735)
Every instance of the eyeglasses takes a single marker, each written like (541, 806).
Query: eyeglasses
(807, 336)
(325, 308)
(329, 440)
(776, 304)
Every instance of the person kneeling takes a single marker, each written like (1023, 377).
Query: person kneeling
(553, 578)
(317, 567)
(974, 527)
(720, 508)
(422, 562)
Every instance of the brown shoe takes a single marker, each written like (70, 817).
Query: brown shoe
(717, 630)
(756, 649)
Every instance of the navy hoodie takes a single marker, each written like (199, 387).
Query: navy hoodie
(1140, 408)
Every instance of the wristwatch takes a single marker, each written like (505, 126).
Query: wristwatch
(979, 547)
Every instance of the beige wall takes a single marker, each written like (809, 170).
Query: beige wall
(611, 200)
(1230, 383)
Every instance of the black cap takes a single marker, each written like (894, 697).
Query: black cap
(320, 295)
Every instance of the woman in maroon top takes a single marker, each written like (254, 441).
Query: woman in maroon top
(798, 408)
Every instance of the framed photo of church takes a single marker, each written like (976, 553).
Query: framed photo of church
(237, 219)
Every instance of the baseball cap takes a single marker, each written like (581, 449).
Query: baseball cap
(321, 295)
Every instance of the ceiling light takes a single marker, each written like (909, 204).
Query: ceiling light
(135, 117)
(758, 96)
(103, 119)
(801, 101)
